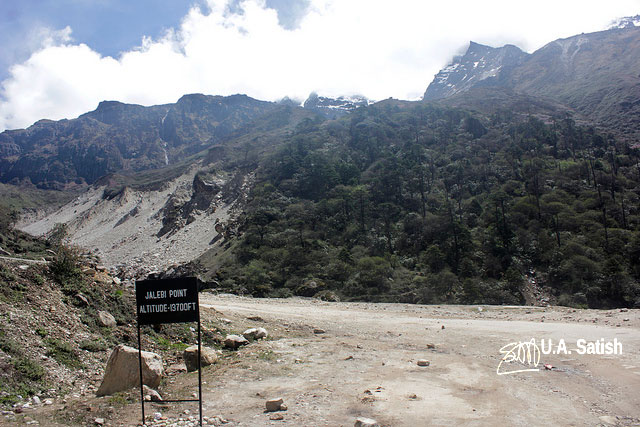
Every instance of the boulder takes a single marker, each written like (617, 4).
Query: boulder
(82, 300)
(423, 362)
(273, 405)
(235, 341)
(310, 287)
(365, 422)
(190, 356)
(106, 319)
(255, 333)
(122, 371)
(327, 295)
(151, 395)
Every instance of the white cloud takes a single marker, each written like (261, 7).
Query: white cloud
(373, 47)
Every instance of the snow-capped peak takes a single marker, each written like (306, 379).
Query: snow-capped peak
(626, 22)
(333, 107)
(478, 64)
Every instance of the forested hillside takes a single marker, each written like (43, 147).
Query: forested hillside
(414, 202)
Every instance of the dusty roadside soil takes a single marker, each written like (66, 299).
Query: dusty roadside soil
(364, 364)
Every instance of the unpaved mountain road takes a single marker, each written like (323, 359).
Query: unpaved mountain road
(324, 378)
(364, 364)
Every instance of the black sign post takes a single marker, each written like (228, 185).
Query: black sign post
(169, 301)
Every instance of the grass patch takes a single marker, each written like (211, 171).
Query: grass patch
(8, 345)
(93, 345)
(28, 369)
(63, 353)
(167, 344)
(19, 375)
(13, 289)
(121, 399)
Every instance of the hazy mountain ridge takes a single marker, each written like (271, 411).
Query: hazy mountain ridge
(117, 136)
(596, 74)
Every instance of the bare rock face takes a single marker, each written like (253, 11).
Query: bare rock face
(190, 356)
(122, 372)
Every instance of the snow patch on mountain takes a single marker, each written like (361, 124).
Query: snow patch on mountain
(626, 22)
(335, 107)
(479, 63)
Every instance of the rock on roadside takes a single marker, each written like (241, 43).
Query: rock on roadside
(122, 372)
(255, 333)
(190, 356)
(235, 341)
(366, 422)
(273, 405)
(151, 394)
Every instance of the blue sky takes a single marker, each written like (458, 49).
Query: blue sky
(60, 58)
(108, 27)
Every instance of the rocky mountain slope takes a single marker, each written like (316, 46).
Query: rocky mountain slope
(138, 232)
(157, 219)
(595, 74)
(122, 137)
(480, 65)
(119, 137)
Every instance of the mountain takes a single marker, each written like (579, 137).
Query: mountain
(626, 22)
(334, 107)
(480, 65)
(595, 74)
(117, 137)
(512, 182)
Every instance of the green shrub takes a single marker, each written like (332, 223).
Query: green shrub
(63, 353)
(28, 369)
(93, 345)
(66, 270)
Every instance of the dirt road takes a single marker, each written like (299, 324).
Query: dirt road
(364, 364)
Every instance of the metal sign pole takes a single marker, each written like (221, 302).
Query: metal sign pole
(140, 365)
(199, 369)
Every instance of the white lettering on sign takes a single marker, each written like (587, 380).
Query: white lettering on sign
(166, 308)
(185, 306)
(156, 295)
(154, 308)
(177, 293)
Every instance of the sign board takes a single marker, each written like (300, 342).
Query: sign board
(167, 301)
